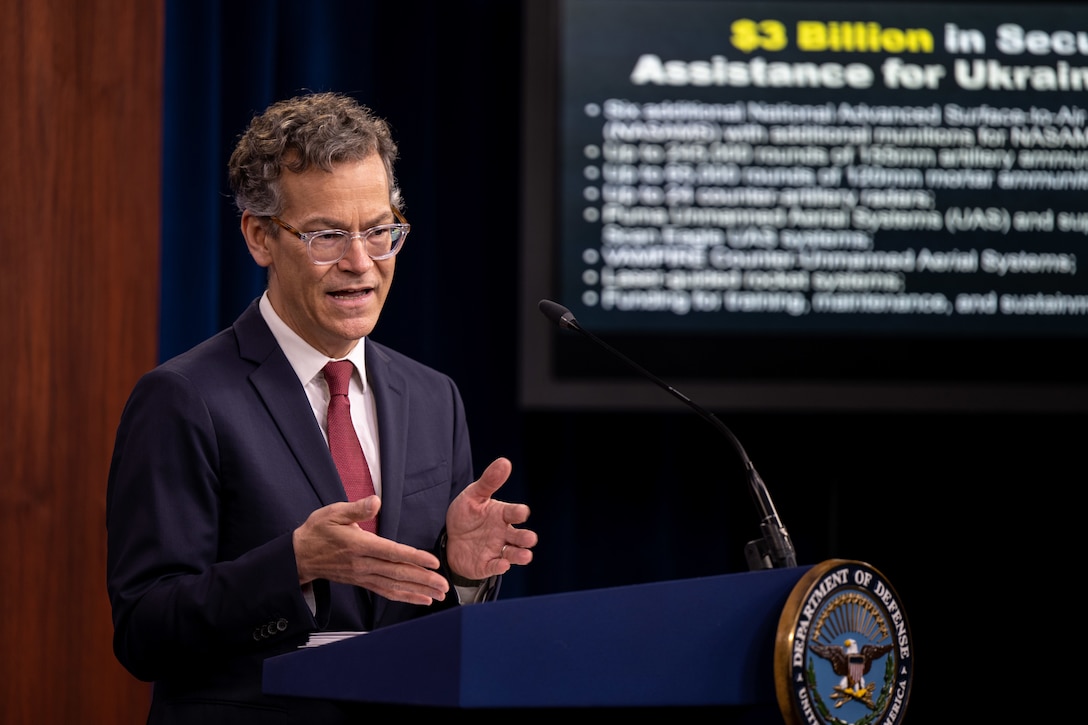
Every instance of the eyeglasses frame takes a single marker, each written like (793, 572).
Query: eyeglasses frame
(306, 237)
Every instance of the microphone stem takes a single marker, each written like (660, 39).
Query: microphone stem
(777, 545)
(706, 414)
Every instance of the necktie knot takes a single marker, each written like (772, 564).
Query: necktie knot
(338, 376)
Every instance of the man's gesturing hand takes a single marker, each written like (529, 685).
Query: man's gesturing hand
(330, 546)
(482, 540)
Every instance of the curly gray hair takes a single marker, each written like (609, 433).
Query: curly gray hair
(311, 130)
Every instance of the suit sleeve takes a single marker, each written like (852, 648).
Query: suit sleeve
(176, 600)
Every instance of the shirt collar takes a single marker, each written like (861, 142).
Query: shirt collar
(306, 361)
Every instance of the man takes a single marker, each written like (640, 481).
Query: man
(230, 535)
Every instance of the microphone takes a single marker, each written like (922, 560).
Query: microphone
(774, 550)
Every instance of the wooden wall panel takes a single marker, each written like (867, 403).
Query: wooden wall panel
(79, 280)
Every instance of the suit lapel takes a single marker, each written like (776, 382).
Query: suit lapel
(278, 387)
(391, 399)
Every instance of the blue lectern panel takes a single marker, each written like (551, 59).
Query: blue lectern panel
(705, 641)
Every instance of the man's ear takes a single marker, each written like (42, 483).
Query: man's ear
(257, 238)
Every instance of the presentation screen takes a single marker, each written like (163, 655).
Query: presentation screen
(806, 205)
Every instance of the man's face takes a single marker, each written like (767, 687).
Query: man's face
(330, 306)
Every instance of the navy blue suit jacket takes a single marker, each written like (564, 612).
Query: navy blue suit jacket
(218, 458)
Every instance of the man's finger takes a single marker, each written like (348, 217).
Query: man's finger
(363, 509)
(493, 477)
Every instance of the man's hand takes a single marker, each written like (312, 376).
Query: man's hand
(329, 545)
(482, 540)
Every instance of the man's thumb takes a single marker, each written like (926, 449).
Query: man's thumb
(364, 509)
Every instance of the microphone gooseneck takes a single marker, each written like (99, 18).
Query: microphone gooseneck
(775, 549)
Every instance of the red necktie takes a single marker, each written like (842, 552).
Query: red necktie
(343, 441)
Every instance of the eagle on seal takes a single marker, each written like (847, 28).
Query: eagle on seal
(851, 663)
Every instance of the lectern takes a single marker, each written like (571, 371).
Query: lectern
(693, 642)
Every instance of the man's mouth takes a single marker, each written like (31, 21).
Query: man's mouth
(350, 294)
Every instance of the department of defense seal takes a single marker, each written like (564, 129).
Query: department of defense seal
(843, 652)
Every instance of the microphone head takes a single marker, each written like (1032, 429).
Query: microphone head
(558, 314)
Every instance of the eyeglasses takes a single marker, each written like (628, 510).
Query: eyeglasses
(329, 246)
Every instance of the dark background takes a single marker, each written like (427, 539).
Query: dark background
(960, 511)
